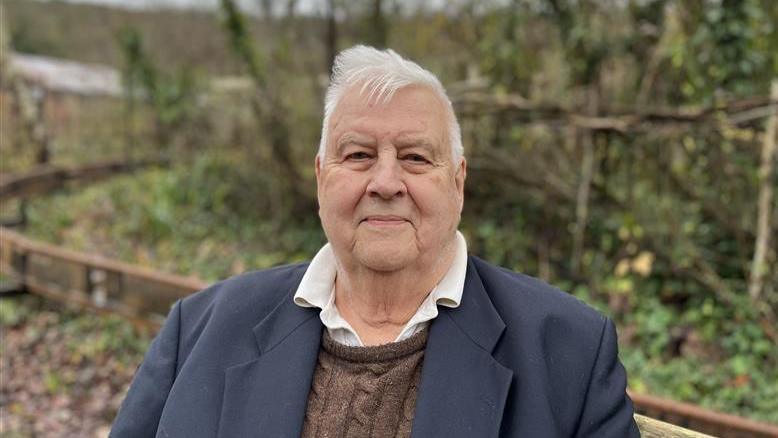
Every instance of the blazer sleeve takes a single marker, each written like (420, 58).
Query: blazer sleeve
(141, 410)
(607, 408)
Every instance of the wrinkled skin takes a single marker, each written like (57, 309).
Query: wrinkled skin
(389, 192)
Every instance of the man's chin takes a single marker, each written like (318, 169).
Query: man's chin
(384, 259)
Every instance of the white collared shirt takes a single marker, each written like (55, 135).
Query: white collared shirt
(317, 289)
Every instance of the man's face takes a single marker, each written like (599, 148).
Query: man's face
(390, 196)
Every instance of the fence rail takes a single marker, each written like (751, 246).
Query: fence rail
(47, 178)
(98, 283)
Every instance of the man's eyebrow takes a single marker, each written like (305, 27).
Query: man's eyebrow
(353, 138)
(422, 142)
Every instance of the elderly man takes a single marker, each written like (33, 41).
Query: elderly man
(391, 330)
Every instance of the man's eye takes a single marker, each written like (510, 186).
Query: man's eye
(415, 158)
(358, 156)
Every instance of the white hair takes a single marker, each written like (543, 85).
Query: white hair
(382, 73)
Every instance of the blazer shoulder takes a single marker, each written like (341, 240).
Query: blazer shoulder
(514, 293)
(246, 297)
(265, 284)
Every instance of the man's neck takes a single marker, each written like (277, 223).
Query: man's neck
(379, 304)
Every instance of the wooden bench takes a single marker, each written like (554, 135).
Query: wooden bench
(651, 428)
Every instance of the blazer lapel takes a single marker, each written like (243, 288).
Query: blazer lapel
(463, 388)
(268, 396)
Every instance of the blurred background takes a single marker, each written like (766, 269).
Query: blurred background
(622, 150)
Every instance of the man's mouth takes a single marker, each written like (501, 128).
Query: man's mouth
(384, 220)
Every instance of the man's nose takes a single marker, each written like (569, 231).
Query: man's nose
(386, 181)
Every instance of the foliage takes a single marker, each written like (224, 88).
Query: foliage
(721, 53)
(730, 387)
(205, 218)
(241, 42)
(64, 372)
(173, 98)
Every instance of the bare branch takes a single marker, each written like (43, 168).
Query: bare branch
(622, 120)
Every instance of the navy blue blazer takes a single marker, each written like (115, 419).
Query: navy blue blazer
(517, 358)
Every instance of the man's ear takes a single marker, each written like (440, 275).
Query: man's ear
(461, 175)
(459, 180)
(317, 166)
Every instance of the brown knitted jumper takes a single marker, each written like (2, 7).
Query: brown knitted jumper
(364, 391)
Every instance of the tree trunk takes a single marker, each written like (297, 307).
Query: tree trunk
(766, 170)
(584, 185)
(332, 34)
(379, 29)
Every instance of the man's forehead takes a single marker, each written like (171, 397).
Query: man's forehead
(402, 139)
(419, 104)
(365, 131)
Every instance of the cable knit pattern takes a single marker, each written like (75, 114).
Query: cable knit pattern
(365, 391)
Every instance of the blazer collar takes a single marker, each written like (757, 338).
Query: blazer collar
(476, 316)
(463, 388)
(268, 395)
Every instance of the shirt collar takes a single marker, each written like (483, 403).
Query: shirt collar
(316, 287)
